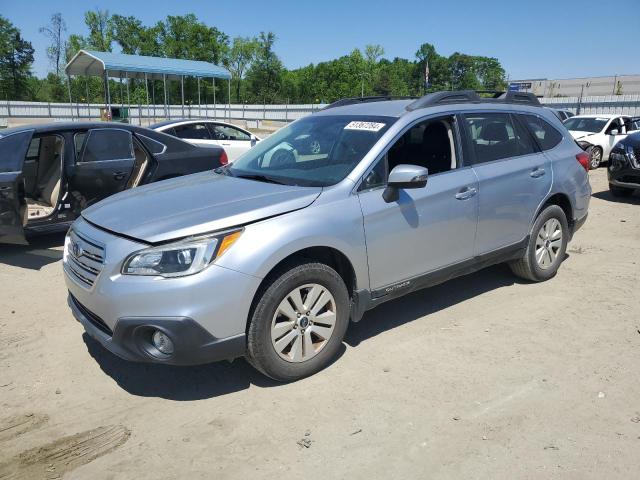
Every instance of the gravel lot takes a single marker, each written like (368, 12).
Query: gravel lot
(482, 377)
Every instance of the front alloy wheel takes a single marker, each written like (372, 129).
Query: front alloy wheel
(303, 323)
(299, 321)
(595, 159)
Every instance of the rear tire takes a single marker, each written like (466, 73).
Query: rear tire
(546, 248)
(298, 323)
(620, 192)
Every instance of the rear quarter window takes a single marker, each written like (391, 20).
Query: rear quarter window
(545, 134)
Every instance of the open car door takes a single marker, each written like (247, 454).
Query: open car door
(104, 163)
(13, 208)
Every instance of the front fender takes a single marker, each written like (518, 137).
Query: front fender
(337, 224)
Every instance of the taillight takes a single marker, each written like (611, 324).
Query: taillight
(223, 158)
(583, 159)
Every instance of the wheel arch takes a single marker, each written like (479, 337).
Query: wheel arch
(329, 256)
(560, 199)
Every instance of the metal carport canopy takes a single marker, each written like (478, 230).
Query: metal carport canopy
(89, 62)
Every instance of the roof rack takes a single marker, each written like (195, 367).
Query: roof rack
(352, 101)
(471, 96)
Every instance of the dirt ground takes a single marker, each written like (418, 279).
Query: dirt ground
(481, 377)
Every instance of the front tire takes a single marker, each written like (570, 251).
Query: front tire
(298, 323)
(546, 248)
(595, 158)
(620, 192)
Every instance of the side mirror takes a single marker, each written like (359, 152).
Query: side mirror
(614, 132)
(254, 140)
(404, 176)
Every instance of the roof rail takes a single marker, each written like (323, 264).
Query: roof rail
(352, 101)
(443, 98)
(471, 96)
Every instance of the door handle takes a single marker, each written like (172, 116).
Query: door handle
(466, 192)
(226, 144)
(537, 172)
(119, 175)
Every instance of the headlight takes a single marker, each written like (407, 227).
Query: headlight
(179, 259)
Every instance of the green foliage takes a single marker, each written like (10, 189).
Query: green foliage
(16, 57)
(258, 73)
(264, 77)
(55, 33)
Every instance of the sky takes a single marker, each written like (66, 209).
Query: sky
(532, 38)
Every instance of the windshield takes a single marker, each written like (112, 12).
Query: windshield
(318, 150)
(586, 124)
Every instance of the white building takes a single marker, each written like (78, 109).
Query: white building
(574, 87)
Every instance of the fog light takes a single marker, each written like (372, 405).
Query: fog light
(162, 342)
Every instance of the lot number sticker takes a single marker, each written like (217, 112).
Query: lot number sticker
(366, 126)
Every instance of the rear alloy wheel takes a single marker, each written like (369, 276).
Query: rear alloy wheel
(548, 244)
(546, 248)
(595, 158)
(298, 323)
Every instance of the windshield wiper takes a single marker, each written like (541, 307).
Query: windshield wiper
(262, 178)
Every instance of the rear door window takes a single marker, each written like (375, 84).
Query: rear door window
(223, 132)
(544, 133)
(495, 136)
(13, 149)
(192, 131)
(107, 144)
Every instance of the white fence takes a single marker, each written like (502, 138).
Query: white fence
(140, 114)
(143, 114)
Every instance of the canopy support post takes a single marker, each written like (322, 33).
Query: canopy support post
(182, 93)
(121, 95)
(199, 104)
(70, 98)
(126, 77)
(146, 87)
(164, 80)
(153, 98)
(229, 111)
(86, 84)
(107, 93)
(214, 98)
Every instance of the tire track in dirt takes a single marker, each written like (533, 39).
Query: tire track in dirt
(56, 458)
(15, 426)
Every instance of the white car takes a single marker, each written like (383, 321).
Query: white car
(601, 131)
(205, 133)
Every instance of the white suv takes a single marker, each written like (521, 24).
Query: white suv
(601, 131)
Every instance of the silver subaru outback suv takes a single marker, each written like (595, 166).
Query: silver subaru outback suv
(271, 257)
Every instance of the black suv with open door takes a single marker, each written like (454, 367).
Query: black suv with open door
(50, 173)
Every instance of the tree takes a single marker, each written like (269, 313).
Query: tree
(129, 33)
(16, 58)
(186, 37)
(100, 30)
(265, 75)
(239, 57)
(55, 33)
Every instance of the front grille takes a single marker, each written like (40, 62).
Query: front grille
(92, 317)
(84, 259)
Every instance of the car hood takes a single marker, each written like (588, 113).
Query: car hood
(195, 204)
(577, 134)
